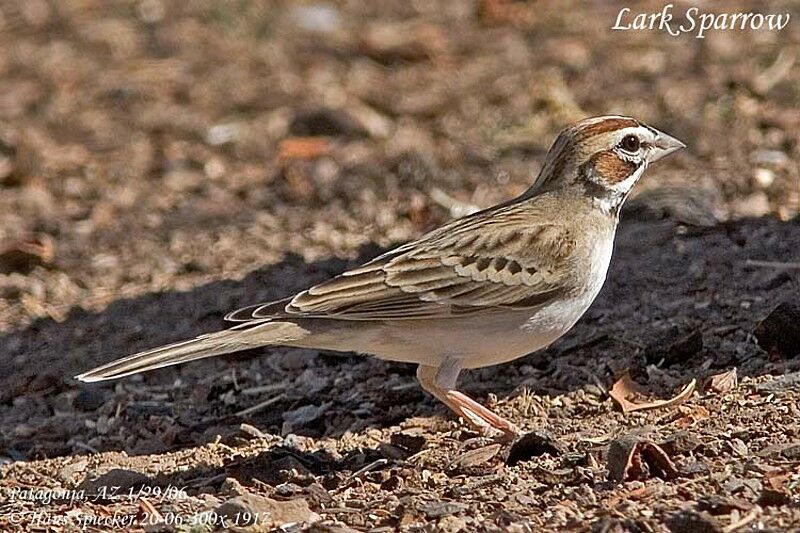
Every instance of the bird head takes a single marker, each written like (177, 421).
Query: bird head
(606, 155)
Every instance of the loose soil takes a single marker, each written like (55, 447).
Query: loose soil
(163, 163)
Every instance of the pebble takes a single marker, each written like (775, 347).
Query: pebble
(779, 332)
(692, 522)
(91, 397)
(411, 440)
(251, 509)
(535, 444)
(302, 417)
(124, 480)
(440, 509)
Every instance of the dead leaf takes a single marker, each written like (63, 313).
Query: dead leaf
(723, 382)
(636, 458)
(626, 388)
(777, 480)
(475, 457)
(303, 148)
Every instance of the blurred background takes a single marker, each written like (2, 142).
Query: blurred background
(150, 145)
(165, 161)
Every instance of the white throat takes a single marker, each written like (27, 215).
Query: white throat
(610, 202)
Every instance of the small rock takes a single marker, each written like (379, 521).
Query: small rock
(721, 505)
(310, 382)
(790, 451)
(411, 440)
(392, 483)
(266, 512)
(787, 381)
(316, 495)
(733, 486)
(764, 177)
(289, 468)
(119, 479)
(755, 205)
(91, 397)
(326, 122)
(303, 417)
(392, 42)
(674, 346)
(393, 452)
(440, 509)
(534, 444)
(694, 206)
(692, 522)
(680, 442)
(318, 18)
(24, 256)
(451, 524)
(779, 332)
(231, 486)
(696, 468)
(775, 498)
(220, 134)
(68, 473)
(287, 490)
(771, 158)
(738, 447)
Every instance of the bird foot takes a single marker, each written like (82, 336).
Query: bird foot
(480, 417)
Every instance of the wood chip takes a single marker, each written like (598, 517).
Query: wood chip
(303, 148)
(626, 388)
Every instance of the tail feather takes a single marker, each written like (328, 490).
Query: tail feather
(242, 337)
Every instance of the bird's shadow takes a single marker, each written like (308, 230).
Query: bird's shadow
(665, 284)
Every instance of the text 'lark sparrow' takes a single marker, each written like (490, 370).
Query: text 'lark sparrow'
(482, 290)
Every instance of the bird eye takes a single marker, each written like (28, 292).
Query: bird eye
(630, 143)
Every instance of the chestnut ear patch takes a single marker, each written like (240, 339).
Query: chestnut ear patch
(611, 168)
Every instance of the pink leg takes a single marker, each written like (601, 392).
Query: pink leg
(440, 382)
(484, 413)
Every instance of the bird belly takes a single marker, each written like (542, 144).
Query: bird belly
(485, 340)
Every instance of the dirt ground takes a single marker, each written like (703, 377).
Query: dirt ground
(162, 163)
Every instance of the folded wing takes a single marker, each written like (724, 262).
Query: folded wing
(503, 261)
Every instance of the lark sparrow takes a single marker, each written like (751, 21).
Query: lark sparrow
(482, 290)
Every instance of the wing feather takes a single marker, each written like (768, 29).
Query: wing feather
(500, 259)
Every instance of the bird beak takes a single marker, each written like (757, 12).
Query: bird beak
(663, 146)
